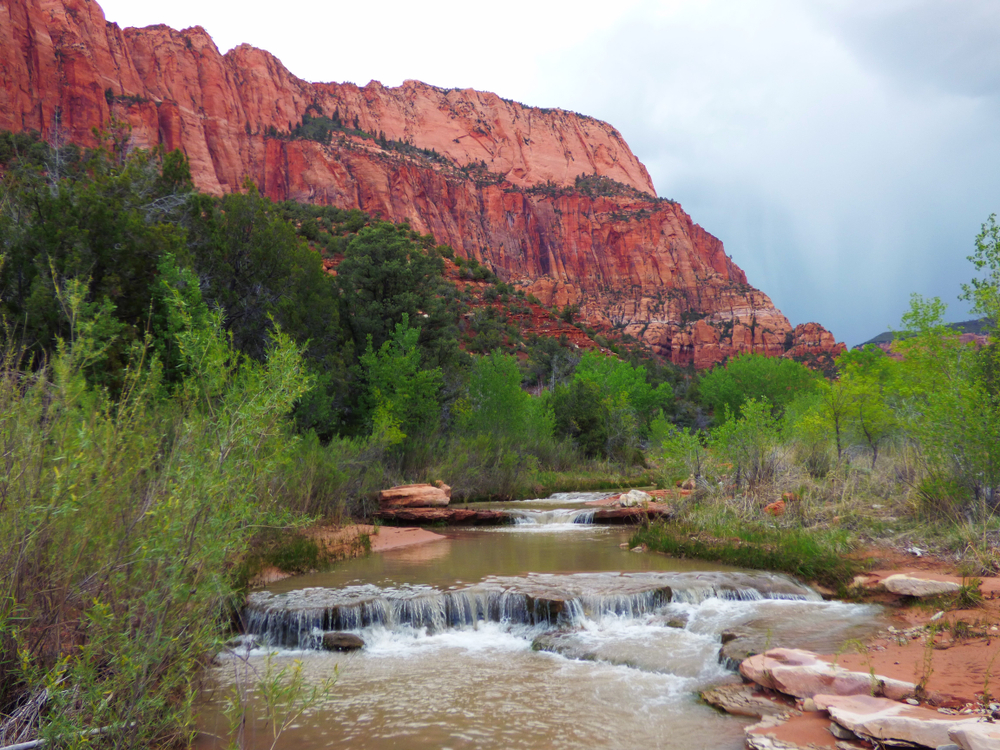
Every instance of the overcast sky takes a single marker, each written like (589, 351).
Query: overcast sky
(846, 152)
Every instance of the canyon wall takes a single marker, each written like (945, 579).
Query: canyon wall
(496, 180)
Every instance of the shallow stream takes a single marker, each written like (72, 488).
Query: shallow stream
(542, 634)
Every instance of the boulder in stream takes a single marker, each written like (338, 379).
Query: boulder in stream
(635, 498)
(337, 641)
(415, 496)
(738, 645)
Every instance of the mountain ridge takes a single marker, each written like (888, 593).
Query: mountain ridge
(498, 181)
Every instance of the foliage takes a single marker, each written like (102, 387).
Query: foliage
(750, 443)
(102, 222)
(385, 275)
(984, 293)
(680, 452)
(949, 408)
(608, 407)
(754, 376)
(616, 378)
(397, 390)
(806, 554)
(119, 518)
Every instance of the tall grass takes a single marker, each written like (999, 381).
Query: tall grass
(810, 555)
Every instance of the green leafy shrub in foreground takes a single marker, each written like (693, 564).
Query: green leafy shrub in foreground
(119, 520)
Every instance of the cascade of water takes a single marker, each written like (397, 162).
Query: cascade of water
(299, 618)
(560, 516)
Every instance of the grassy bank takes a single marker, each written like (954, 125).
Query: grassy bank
(808, 555)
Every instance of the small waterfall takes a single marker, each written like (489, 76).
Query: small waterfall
(561, 516)
(298, 619)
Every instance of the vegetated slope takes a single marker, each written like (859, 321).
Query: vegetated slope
(975, 329)
(552, 201)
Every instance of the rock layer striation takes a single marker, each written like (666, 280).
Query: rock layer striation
(552, 201)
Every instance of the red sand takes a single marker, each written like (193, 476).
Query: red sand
(959, 666)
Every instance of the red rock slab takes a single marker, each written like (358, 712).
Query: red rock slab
(805, 674)
(884, 719)
(449, 516)
(632, 515)
(415, 496)
(808, 730)
(976, 737)
(395, 537)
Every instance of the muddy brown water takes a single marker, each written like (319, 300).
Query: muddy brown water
(543, 634)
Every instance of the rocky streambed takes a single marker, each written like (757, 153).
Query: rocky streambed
(545, 632)
(922, 686)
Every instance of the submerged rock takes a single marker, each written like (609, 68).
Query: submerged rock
(337, 641)
(563, 644)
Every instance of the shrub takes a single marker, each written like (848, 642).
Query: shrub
(120, 520)
(750, 443)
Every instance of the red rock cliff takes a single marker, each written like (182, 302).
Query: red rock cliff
(488, 176)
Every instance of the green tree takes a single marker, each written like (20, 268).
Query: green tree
(867, 377)
(106, 223)
(497, 405)
(620, 380)
(750, 443)
(396, 385)
(579, 414)
(754, 376)
(984, 293)
(948, 408)
(385, 275)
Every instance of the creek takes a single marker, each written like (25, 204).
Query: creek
(542, 634)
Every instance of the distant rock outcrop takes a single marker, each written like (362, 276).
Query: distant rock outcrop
(552, 201)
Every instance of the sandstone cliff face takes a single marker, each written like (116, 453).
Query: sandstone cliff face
(488, 176)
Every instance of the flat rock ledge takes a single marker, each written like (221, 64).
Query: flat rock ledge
(906, 585)
(415, 496)
(806, 703)
(882, 720)
(465, 516)
(447, 516)
(632, 515)
(803, 674)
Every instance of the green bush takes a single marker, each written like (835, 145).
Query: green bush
(121, 518)
(750, 443)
